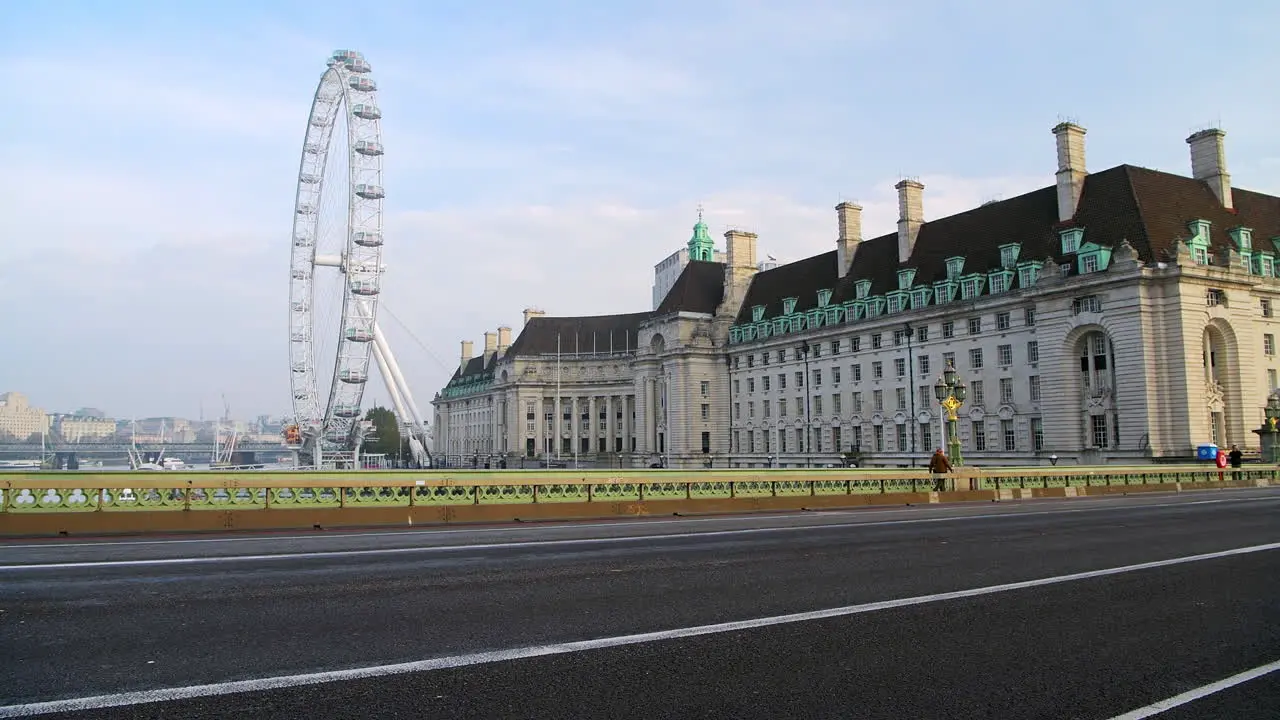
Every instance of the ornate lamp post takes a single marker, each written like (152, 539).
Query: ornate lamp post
(951, 391)
(1272, 411)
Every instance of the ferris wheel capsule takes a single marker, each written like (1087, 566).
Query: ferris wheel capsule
(367, 239)
(366, 112)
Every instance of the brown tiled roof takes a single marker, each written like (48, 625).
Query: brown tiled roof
(699, 289)
(1150, 209)
(592, 334)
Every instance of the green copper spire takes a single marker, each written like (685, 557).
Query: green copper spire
(701, 246)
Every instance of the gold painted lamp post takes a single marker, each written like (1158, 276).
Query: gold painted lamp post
(951, 391)
(1272, 411)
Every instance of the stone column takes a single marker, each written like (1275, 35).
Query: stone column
(609, 426)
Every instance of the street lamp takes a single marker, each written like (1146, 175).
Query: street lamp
(1053, 459)
(1272, 411)
(951, 391)
(804, 386)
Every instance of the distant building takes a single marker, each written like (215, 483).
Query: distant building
(18, 420)
(85, 429)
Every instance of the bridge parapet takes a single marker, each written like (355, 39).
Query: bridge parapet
(43, 502)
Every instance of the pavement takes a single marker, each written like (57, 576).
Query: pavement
(883, 612)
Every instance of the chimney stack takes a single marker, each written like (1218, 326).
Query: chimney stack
(1071, 170)
(490, 343)
(910, 216)
(504, 338)
(849, 217)
(1209, 163)
(466, 353)
(532, 313)
(740, 267)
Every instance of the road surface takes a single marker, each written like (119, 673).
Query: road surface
(1081, 608)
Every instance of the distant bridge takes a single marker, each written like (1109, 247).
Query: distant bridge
(121, 449)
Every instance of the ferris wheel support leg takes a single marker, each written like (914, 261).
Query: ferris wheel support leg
(392, 388)
(380, 341)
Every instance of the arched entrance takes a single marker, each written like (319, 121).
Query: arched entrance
(1221, 383)
(1096, 382)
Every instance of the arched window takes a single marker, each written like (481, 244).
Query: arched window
(1097, 383)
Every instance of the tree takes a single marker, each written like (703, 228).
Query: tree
(386, 432)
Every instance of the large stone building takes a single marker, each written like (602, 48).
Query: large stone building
(1118, 316)
(18, 420)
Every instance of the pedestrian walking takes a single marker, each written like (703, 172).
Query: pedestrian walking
(939, 466)
(1235, 456)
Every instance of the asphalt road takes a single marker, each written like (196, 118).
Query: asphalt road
(492, 612)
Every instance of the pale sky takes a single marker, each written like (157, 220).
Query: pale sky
(538, 153)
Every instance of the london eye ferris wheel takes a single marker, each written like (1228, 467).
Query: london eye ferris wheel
(336, 270)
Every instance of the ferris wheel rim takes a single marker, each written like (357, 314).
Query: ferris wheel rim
(344, 82)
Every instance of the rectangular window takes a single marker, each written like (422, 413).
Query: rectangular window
(706, 411)
(799, 379)
(979, 436)
(901, 431)
(1098, 424)
(766, 379)
(799, 406)
(835, 404)
(782, 408)
(1005, 353)
(855, 343)
(856, 442)
(877, 400)
(1006, 391)
(922, 334)
(1029, 316)
(1033, 352)
(857, 402)
(704, 388)
(835, 347)
(817, 378)
(751, 441)
(817, 405)
(1037, 434)
(1269, 344)
(835, 439)
(901, 394)
(782, 441)
(875, 341)
(926, 395)
(948, 329)
(857, 372)
(737, 411)
(751, 385)
(1215, 297)
(751, 409)
(782, 381)
(877, 435)
(1086, 304)
(1271, 379)
(1010, 437)
(1265, 304)
(1034, 383)
(1002, 321)
(924, 364)
(975, 358)
(751, 361)
(975, 326)
(767, 408)
(877, 370)
(976, 394)
(1089, 263)
(926, 435)
(835, 375)
(899, 337)
(737, 386)
(948, 360)
(900, 367)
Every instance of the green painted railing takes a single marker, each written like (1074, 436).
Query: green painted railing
(78, 492)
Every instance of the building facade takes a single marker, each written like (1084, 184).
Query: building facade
(18, 420)
(1118, 316)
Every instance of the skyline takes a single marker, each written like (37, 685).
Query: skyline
(155, 185)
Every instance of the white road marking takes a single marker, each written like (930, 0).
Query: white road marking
(1191, 695)
(588, 522)
(287, 681)
(154, 562)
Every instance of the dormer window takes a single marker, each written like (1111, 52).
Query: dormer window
(971, 287)
(1093, 258)
(757, 313)
(862, 289)
(1009, 255)
(905, 278)
(895, 303)
(955, 266)
(1243, 238)
(1028, 274)
(788, 305)
(1071, 238)
(824, 297)
(1200, 228)
(999, 282)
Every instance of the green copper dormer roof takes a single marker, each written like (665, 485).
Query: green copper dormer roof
(701, 246)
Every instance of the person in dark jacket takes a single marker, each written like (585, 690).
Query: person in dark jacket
(1235, 456)
(938, 467)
